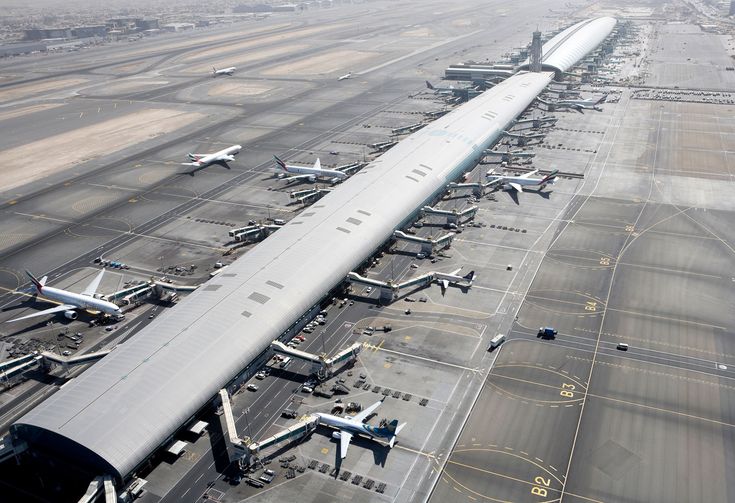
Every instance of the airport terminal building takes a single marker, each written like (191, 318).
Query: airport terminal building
(115, 415)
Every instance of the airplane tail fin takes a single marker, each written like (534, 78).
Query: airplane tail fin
(470, 276)
(550, 176)
(317, 164)
(280, 163)
(602, 100)
(428, 84)
(396, 430)
(38, 283)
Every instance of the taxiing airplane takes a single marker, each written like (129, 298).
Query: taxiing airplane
(223, 71)
(222, 157)
(577, 105)
(351, 426)
(453, 277)
(525, 180)
(345, 76)
(70, 302)
(307, 173)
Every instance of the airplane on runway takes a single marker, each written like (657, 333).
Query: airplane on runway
(70, 302)
(223, 71)
(345, 76)
(577, 105)
(351, 426)
(306, 173)
(453, 277)
(525, 180)
(222, 157)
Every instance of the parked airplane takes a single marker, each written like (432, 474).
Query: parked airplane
(350, 426)
(465, 93)
(223, 71)
(518, 182)
(577, 105)
(222, 157)
(345, 76)
(453, 277)
(70, 302)
(306, 173)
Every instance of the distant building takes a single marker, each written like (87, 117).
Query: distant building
(259, 7)
(178, 26)
(732, 7)
(45, 33)
(284, 8)
(147, 24)
(89, 31)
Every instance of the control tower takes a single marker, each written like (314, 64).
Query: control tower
(536, 51)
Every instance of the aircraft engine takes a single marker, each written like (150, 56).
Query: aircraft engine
(336, 435)
(312, 178)
(70, 315)
(335, 180)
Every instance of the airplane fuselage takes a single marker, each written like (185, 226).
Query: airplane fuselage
(224, 71)
(80, 301)
(525, 182)
(325, 173)
(344, 424)
(225, 155)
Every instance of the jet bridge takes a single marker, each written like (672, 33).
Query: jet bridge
(17, 366)
(306, 195)
(428, 245)
(237, 448)
(256, 231)
(322, 366)
(390, 291)
(244, 450)
(408, 129)
(452, 216)
(290, 434)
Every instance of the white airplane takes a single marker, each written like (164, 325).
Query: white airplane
(70, 302)
(453, 277)
(223, 71)
(577, 105)
(221, 157)
(306, 173)
(351, 426)
(345, 76)
(518, 182)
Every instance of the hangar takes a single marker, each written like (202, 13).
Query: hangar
(112, 417)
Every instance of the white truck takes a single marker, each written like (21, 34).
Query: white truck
(496, 341)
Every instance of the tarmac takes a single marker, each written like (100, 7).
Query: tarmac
(634, 247)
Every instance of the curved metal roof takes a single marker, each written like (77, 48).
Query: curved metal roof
(565, 49)
(128, 404)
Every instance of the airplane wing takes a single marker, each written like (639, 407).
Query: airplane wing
(94, 285)
(348, 169)
(344, 442)
(360, 417)
(529, 174)
(516, 186)
(57, 309)
(297, 177)
(444, 285)
(454, 273)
